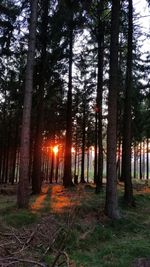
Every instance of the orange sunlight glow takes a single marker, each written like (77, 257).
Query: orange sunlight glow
(39, 202)
(55, 149)
(73, 150)
(60, 202)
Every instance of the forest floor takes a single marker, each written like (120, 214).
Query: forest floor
(68, 228)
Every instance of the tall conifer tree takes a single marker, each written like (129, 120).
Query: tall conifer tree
(23, 187)
(111, 205)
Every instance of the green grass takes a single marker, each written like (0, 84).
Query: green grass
(111, 243)
(11, 216)
(20, 219)
(93, 240)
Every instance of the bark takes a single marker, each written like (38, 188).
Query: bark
(52, 169)
(147, 158)
(83, 146)
(0, 162)
(119, 159)
(126, 149)
(4, 143)
(111, 204)
(75, 156)
(23, 187)
(141, 174)
(67, 179)
(99, 96)
(36, 175)
(135, 161)
(143, 159)
(95, 148)
(78, 162)
(57, 167)
(88, 163)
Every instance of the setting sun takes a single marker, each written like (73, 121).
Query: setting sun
(55, 149)
(73, 150)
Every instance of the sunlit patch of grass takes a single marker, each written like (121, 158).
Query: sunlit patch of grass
(38, 203)
(62, 200)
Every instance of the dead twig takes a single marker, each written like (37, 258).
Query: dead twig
(17, 238)
(59, 254)
(62, 262)
(32, 235)
(67, 258)
(17, 260)
(7, 244)
(55, 235)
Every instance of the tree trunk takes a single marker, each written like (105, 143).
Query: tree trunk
(57, 167)
(119, 159)
(95, 148)
(67, 179)
(99, 176)
(126, 148)
(52, 168)
(143, 159)
(88, 163)
(111, 204)
(147, 159)
(141, 175)
(83, 146)
(135, 161)
(75, 156)
(78, 162)
(23, 187)
(36, 175)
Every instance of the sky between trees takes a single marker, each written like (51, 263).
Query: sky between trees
(141, 7)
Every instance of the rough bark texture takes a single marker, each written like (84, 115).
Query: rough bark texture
(126, 148)
(23, 187)
(36, 175)
(67, 179)
(99, 96)
(111, 205)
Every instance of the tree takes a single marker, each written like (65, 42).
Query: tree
(100, 39)
(36, 175)
(67, 179)
(111, 204)
(23, 187)
(126, 147)
(72, 22)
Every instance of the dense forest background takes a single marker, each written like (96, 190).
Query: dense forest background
(74, 96)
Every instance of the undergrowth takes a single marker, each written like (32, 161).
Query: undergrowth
(91, 239)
